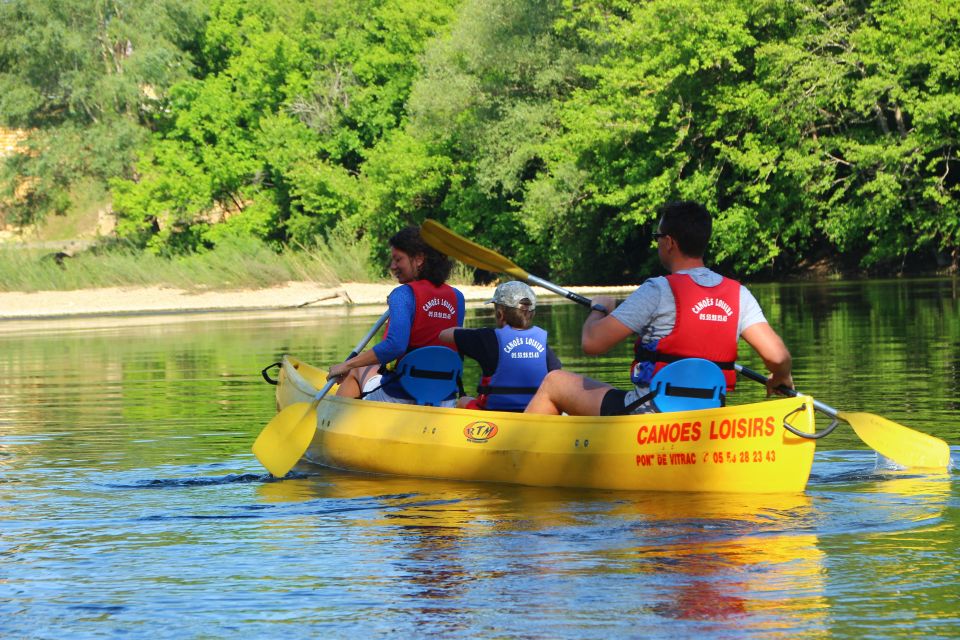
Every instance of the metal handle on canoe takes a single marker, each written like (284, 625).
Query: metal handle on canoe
(803, 434)
(793, 393)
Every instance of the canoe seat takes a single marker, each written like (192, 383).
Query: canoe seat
(430, 374)
(688, 384)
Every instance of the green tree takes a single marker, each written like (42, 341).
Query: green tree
(873, 100)
(85, 78)
(807, 127)
(547, 129)
(277, 130)
(671, 113)
(480, 113)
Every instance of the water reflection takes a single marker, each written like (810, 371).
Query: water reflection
(725, 564)
(729, 559)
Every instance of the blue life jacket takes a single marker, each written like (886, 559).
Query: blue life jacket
(521, 368)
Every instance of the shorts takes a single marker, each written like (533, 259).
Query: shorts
(372, 383)
(616, 400)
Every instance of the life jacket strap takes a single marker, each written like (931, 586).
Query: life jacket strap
(485, 389)
(642, 355)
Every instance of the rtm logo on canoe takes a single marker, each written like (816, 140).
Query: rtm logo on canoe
(726, 429)
(480, 431)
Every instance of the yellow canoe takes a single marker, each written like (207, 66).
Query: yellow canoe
(740, 448)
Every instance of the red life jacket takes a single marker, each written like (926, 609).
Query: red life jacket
(706, 326)
(435, 309)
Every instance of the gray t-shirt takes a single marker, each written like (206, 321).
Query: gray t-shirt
(651, 312)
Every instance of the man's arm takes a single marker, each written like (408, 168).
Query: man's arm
(601, 332)
(769, 346)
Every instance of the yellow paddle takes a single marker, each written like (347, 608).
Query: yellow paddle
(901, 444)
(286, 437)
(448, 242)
(906, 447)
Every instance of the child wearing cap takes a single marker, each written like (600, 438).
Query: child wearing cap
(513, 358)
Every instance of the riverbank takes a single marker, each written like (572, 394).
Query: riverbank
(125, 301)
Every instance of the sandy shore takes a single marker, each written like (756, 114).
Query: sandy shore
(125, 301)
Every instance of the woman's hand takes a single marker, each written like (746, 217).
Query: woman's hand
(338, 371)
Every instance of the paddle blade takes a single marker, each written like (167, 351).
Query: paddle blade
(906, 447)
(467, 251)
(286, 437)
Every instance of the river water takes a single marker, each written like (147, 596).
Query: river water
(131, 506)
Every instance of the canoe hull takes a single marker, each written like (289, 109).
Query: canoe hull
(740, 448)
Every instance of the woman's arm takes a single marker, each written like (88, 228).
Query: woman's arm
(362, 359)
(400, 302)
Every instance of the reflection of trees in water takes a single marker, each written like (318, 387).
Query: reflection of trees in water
(759, 582)
(431, 562)
(432, 569)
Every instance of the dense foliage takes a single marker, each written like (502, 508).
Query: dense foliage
(547, 129)
(87, 78)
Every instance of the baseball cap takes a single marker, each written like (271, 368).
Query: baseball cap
(512, 294)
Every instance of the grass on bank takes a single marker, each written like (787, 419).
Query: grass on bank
(242, 264)
(238, 265)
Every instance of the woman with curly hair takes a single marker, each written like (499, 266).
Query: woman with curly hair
(420, 308)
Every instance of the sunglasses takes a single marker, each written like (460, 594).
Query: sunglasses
(657, 235)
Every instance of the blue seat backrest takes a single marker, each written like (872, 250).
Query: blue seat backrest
(430, 374)
(691, 383)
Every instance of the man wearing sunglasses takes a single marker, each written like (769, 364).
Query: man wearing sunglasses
(692, 313)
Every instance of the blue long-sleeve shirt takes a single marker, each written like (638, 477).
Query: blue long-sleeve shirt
(402, 305)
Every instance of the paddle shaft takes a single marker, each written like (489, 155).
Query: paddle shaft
(367, 338)
(469, 252)
(566, 293)
(762, 379)
(356, 350)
